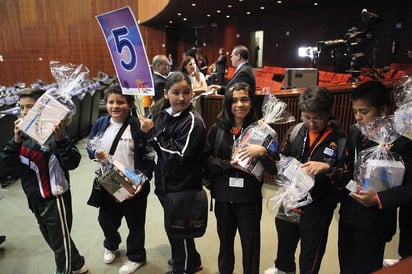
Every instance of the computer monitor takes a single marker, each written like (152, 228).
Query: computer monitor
(301, 77)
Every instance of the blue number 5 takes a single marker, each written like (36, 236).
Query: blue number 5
(120, 37)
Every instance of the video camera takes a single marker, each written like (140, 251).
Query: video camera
(358, 45)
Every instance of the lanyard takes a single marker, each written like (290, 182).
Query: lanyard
(315, 143)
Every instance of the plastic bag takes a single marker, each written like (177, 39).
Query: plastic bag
(377, 168)
(55, 104)
(403, 99)
(261, 133)
(294, 193)
(119, 180)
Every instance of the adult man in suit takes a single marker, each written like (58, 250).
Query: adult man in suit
(244, 72)
(161, 69)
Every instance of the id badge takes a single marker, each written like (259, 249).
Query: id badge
(236, 182)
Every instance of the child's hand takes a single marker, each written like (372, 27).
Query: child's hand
(131, 195)
(17, 137)
(315, 168)
(100, 155)
(251, 151)
(365, 197)
(146, 124)
(59, 131)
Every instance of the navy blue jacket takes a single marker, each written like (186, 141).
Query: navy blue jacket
(143, 154)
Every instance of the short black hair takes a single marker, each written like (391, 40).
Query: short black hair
(34, 93)
(373, 92)
(116, 89)
(315, 99)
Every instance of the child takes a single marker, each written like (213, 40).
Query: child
(133, 153)
(177, 133)
(368, 219)
(316, 145)
(53, 213)
(237, 194)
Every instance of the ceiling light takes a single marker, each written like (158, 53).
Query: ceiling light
(248, 12)
(179, 14)
(194, 5)
(185, 19)
(315, 3)
(227, 16)
(208, 15)
(262, 8)
(229, 6)
(279, 2)
(218, 11)
(170, 22)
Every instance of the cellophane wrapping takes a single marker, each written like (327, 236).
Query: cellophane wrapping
(295, 184)
(377, 168)
(115, 177)
(55, 104)
(403, 99)
(262, 133)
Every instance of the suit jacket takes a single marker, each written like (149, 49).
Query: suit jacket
(244, 74)
(159, 86)
(221, 64)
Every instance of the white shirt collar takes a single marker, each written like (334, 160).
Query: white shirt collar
(170, 111)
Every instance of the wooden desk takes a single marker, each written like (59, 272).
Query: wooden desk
(342, 108)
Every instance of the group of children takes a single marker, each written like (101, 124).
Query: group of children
(172, 144)
(367, 218)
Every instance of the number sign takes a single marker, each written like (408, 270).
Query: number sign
(127, 51)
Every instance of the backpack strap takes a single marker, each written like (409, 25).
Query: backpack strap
(294, 132)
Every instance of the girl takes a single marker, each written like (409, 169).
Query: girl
(237, 193)
(177, 133)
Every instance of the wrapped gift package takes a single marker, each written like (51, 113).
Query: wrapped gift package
(39, 121)
(120, 181)
(260, 134)
(403, 120)
(382, 174)
(303, 180)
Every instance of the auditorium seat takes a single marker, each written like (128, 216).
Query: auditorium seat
(73, 127)
(7, 128)
(95, 106)
(7, 132)
(85, 113)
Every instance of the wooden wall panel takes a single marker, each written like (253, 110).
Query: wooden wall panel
(37, 31)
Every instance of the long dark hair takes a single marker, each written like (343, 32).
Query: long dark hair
(225, 117)
(164, 103)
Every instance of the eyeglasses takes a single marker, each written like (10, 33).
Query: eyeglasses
(313, 120)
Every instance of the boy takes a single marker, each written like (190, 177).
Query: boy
(368, 219)
(317, 142)
(53, 213)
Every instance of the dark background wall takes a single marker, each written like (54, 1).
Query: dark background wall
(35, 32)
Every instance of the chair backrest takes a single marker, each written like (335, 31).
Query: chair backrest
(7, 128)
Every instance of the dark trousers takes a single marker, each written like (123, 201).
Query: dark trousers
(244, 217)
(185, 257)
(405, 231)
(110, 218)
(54, 216)
(312, 231)
(360, 251)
